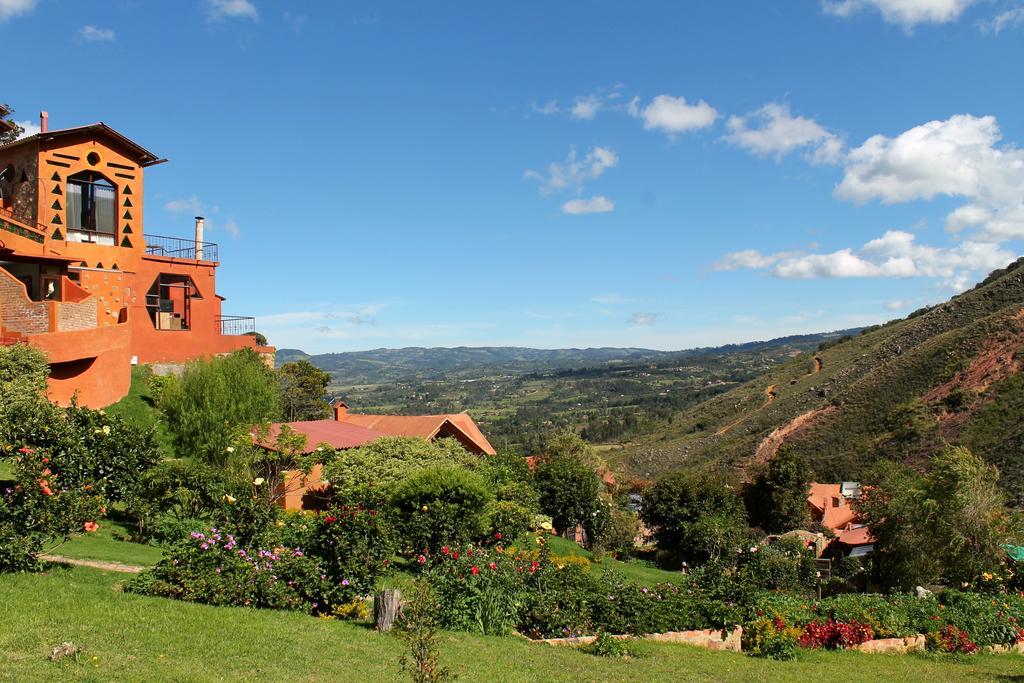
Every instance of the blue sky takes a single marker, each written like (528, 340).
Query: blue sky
(553, 174)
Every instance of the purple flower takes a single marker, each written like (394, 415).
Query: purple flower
(344, 582)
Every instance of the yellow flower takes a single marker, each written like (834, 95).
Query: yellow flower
(280, 523)
(106, 429)
(258, 481)
(229, 498)
(546, 526)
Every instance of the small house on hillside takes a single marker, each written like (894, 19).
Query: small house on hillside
(831, 506)
(350, 430)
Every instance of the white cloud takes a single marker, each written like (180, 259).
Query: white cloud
(185, 204)
(549, 108)
(12, 8)
(598, 204)
(1004, 20)
(773, 131)
(906, 13)
(958, 157)
(231, 227)
(28, 128)
(894, 254)
(92, 34)
(586, 108)
(899, 304)
(673, 115)
(574, 172)
(219, 10)
(643, 319)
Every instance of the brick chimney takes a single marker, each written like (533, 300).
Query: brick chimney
(340, 410)
(44, 122)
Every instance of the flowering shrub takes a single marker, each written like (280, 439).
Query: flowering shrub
(771, 638)
(833, 635)
(950, 639)
(39, 509)
(479, 589)
(212, 568)
(354, 547)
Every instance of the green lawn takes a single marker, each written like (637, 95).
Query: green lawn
(105, 545)
(128, 637)
(631, 569)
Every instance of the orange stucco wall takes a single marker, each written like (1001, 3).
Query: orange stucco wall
(94, 364)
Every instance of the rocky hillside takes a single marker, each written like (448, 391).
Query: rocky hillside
(948, 374)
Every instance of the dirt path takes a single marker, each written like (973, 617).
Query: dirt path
(771, 444)
(95, 564)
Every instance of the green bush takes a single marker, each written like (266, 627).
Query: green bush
(694, 518)
(213, 398)
(368, 475)
(441, 506)
(606, 645)
(770, 638)
(38, 509)
(508, 519)
(354, 547)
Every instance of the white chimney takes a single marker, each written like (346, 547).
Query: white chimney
(200, 224)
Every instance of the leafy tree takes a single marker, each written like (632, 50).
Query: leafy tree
(9, 136)
(694, 518)
(369, 474)
(213, 398)
(569, 491)
(947, 524)
(303, 391)
(777, 498)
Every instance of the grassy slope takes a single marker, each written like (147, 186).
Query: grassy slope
(868, 376)
(138, 407)
(135, 638)
(105, 545)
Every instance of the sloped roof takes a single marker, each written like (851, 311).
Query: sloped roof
(424, 426)
(860, 535)
(140, 154)
(338, 434)
(822, 498)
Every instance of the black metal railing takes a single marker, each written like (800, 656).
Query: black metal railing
(176, 247)
(237, 324)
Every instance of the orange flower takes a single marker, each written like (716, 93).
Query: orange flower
(91, 526)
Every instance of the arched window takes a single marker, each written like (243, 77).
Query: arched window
(92, 209)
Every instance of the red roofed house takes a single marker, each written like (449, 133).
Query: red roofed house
(351, 430)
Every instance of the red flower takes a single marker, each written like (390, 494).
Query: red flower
(492, 566)
(421, 559)
(25, 450)
(445, 550)
(455, 555)
(475, 570)
(330, 519)
(498, 535)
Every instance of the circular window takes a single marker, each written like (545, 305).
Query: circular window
(93, 158)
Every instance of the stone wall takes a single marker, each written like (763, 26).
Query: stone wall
(17, 312)
(706, 638)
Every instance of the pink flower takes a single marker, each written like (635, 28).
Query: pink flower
(492, 566)
(421, 559)
(91, 526)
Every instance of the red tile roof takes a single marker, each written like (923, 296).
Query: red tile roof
(337, 434)
(458, 425)
(856, 536)
(823, 498)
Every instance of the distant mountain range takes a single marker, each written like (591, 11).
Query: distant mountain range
(464, 362)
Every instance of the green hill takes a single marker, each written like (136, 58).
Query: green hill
(944, 374)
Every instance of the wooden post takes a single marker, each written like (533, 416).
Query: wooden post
(387, 606)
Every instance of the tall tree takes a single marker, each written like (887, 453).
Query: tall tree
(777, 499)
(14, 133)
(303, 391)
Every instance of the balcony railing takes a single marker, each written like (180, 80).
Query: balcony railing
(237, 324)
(177, 247)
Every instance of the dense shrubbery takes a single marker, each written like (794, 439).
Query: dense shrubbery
(441, 506)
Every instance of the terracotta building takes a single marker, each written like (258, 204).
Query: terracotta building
(81, 280)
(351, 430)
